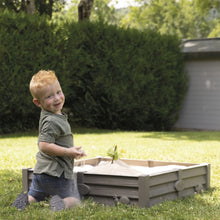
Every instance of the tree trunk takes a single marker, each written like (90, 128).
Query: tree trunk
(31, 7)
(84, 9)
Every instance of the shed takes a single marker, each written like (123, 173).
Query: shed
(201, 107)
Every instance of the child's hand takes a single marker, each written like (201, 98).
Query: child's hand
(76, 152)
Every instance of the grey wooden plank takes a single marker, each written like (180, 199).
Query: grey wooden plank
(135, 162)
(159, 199)
(194, 181)
(186, 192)
(109, 200)
(163, 178)
(208, 178)
(113, 191)
(162, 189)
(25, 184)
(29, 184)
(143, 191)
(194, 171)
(110, 180)
(155, 163)
(30, 175)
(91, 161)
(80, 178)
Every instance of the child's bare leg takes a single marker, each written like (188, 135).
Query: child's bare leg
(71, 202)
(58, 204)
(31, 199)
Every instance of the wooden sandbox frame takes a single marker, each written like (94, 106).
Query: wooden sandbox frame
(141, 190)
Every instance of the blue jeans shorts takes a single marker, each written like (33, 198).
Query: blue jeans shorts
(44, 186)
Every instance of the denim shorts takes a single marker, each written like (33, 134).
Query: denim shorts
(44, 186)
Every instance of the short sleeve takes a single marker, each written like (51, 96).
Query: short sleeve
(49, 132)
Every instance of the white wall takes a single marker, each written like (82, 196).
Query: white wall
(201, 107)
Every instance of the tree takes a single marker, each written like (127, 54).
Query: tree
(186, 18)
(84, 9)
(204, 5)
(101, 11)
(31, 6)
(15, 5)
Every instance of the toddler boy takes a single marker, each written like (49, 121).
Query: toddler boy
(53, 172)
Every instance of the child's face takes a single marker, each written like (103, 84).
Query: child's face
(51, 98)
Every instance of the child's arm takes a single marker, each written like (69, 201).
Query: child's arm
(56, 150)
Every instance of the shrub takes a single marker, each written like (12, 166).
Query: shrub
(124, 78)
(112, 77)
(27, 44)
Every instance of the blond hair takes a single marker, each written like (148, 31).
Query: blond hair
(41, 79)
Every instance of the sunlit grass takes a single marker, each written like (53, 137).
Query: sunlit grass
(18, 151)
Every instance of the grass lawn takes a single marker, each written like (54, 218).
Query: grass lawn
(18, 151)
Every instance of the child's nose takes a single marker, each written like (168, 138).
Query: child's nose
(56, 97)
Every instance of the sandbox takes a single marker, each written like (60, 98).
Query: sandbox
(137, 182)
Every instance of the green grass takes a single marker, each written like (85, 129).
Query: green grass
(18, 151)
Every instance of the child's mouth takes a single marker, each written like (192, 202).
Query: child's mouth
(57, 105)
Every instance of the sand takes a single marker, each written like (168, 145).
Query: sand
(122, 169)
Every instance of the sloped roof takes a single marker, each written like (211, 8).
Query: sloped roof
(202, 47)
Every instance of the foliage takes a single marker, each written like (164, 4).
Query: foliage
(204, 5)
(114, 153)
(216, 30)
(42, 7)
(112, 77)
(186, 18)
(101, 11)
(118, 83)
(27, 44)
(18, 151)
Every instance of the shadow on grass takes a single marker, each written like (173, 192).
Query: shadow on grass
(80, 130)
(169, 135)
(185, 135)
(20, 134)
(75, 130)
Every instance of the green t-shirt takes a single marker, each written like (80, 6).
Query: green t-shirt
(54, 128)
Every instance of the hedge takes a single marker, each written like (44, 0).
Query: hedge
(112, 77)
(27, 44)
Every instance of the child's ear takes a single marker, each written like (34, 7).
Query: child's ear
(36, 102)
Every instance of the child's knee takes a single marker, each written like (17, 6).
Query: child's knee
(71, 202)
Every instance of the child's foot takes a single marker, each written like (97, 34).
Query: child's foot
(57, 203)
(21, 201)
